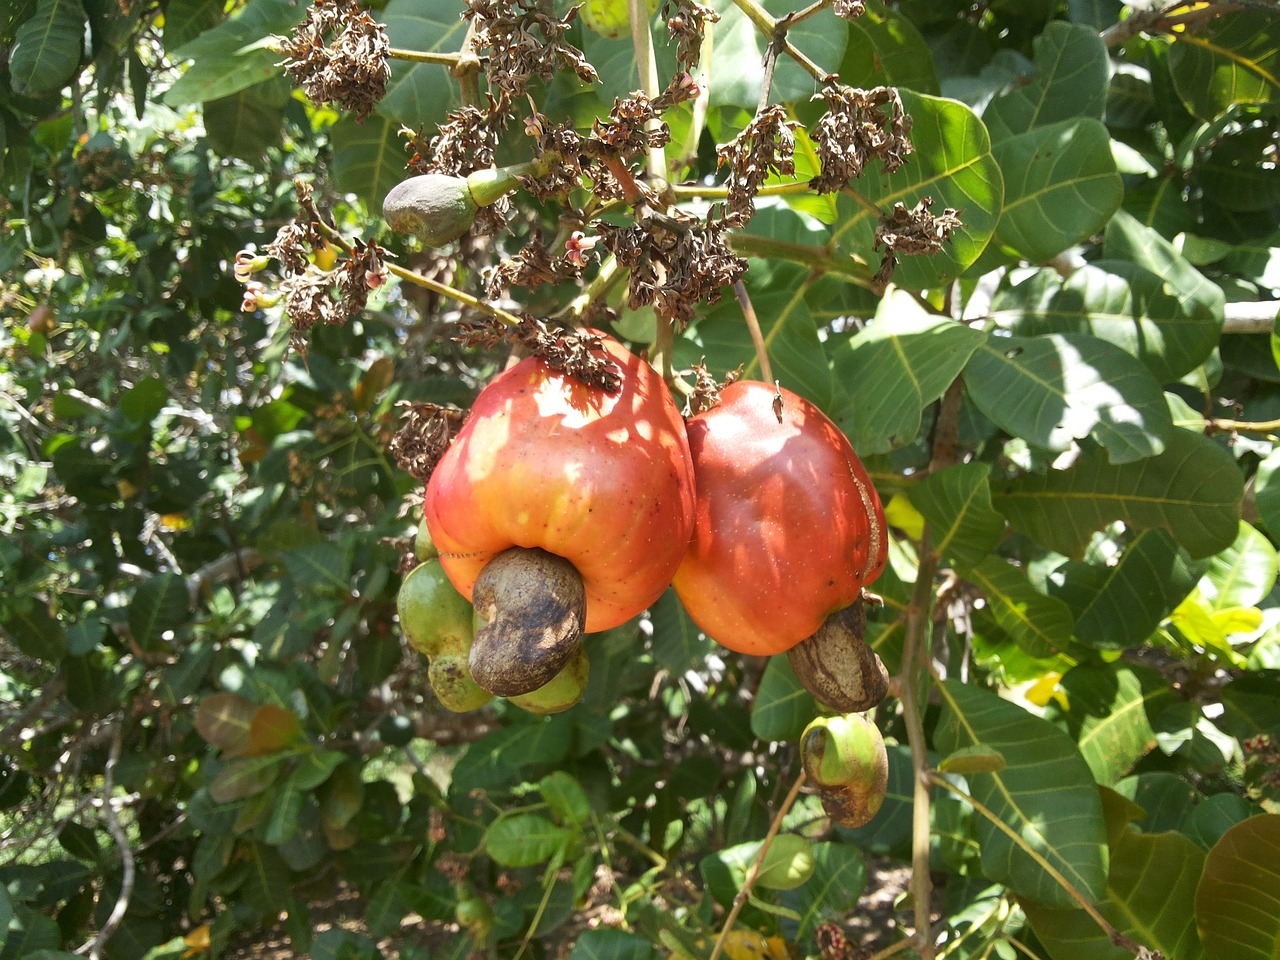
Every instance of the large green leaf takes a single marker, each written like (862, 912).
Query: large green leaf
(246, 123)
(1128, 239)
(1120, 302)
(838, 879)
(1150, 895)
(420, 94)
(885, 47)
(1267, 493)
(1235, 59)
(952, 163)
(896, 366)
(1045, 794)
(525, 840)
(956, 501)
(1242, 574)
(1039, 624)
(1193, 490)
(782, 706)
(1135, 593)
(1061, 186)
(1111, 711)
(1072, 69)
(235, 54)
(46, 49)
(1054, 389)
(159, 605)
(1237, 906)
(368, 158)
(36, 631)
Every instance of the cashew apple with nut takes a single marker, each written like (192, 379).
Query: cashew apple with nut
(558, 481)
(789, 528)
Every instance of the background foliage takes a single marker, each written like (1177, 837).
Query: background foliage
(210, 726)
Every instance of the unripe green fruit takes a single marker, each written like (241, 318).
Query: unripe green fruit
(434, 617)
(562, 692)
(450, 678)
(610, 18)
(475, 914)
(423, 548)
(845, 758)
(433, 207)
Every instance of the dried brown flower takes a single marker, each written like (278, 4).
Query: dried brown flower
(522, 41)
(706, 391)
(859, 126)
(467, 141)
(849, 9)
(686, 23)
(351, 69)
(563, 142)
(765, 146)
(627, 130)
(426, 430)
(531, 267)
(904, 232)
(675, 261)
(576, 353)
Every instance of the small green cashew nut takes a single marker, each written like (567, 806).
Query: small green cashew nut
(845, 758)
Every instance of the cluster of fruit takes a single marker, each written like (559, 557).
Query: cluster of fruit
(562, 509)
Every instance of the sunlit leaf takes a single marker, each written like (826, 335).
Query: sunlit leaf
(782, 705)
(1193, 490)
(419, 94)
(957, 503)
(1241, 575)
(46, 48)
(160, 604)
(885, 47)
(1057, 388)
(525, 840)
(234, 54)
(1234, 59)
(1039, 624)
(368, 158)
(1237, 906)
(1045, 794)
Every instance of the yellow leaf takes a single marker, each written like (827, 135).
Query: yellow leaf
(752, 945)
(1046, 689)
(901, 513)
(197, 940)
(1238, 620)
(175, 521)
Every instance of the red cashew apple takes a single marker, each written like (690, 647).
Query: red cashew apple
(560, 508)
(789, 528)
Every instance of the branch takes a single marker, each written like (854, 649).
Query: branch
(753, 326)
(129, 868)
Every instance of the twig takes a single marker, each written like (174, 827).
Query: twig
(425, 56)
(741, 899)
(753, 326)
(129, 867)
(647, 64)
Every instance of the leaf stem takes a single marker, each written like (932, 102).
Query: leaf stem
(425, 56)
(453, 293)
(740, 900)
(753, 327)
(647, 64)
(776, 31)
(818, 259)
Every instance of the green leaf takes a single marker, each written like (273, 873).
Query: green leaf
(612, 944)
(893, 368)
(1072, 69)
(1266, 488)
(1135, 593)
(233, 55)
(35, 631)
(244, 777)
(184, 20)
(143, 402)
(1128, 239)
(1193, 490)
(1208, 820)
(225, 720)
(315, 767)
(1112, 712)
(285, 818)
(1164, 798)
(1242, 574)
(787, 863)
(1039, 624)
(952, 163)
(1054, 389)
(320, 565)
(342, 795)
(419, 94)
(273, 729)
(368, 158)
(566, 798)
(970, 760)
(1061, 187)
(1237, 906)
(525, 840)
(1120, 302)
(839, 878)
(46, 49)
(956, 501)
(497, 758)
(160, 605)
(1150, 895)
(885, 48)
(677, 645)
(269, 881)
(782, 706)
(246, 123)
(1234, 59)
(1045, 794)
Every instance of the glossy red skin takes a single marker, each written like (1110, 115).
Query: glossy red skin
(603, 480)
(789, 528)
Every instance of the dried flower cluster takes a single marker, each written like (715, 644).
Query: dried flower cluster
(576, 353)
(351, 70)
(765, 146)
(532, 267)
(312, 294)
(904, 232)
(426, 430)
(676, 261)
(522, 42)
(687, 23)
(467, 141)
(858, 127)
(849, 9)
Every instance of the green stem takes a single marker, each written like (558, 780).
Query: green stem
(818, 259)
(462, 297)
(425, 56)
(776, 32)
(647, 62)
(807, 12)
(601, 284)
(753, 327)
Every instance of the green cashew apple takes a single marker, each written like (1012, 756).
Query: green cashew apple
(450, 678)
(562, 691)
(845, 758)
(435, 618)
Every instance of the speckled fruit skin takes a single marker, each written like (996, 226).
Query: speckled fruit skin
(789, 528)
(603, 480)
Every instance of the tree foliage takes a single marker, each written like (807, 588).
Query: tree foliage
(1025, 255)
